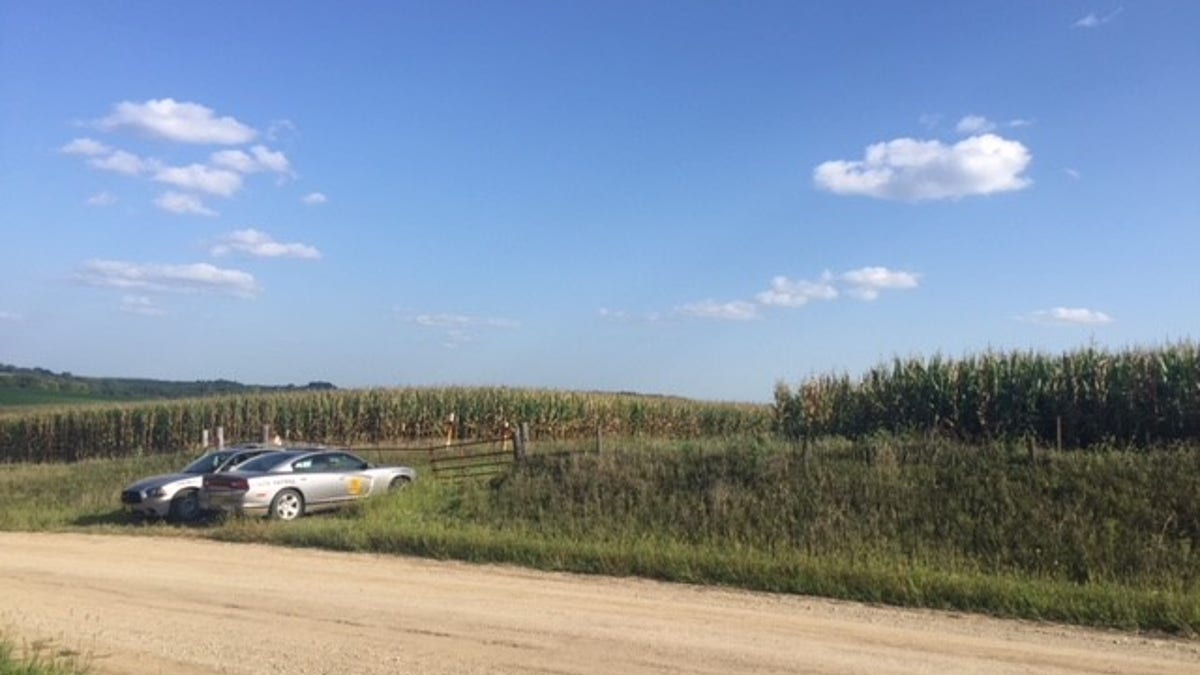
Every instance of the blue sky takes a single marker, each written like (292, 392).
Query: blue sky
(684, 198)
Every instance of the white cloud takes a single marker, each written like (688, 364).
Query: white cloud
(260, 158)
(737, 310)
(785, 292)
(459, 329)
(236, 160)
(141, 305)
(102, 198)
(916, 170)
(177, 121)
(314, 198)
(260, 245)
(124, 162)
(1019, 123)
(271, 160)
(280, 130)
(456, 338)
(177, 202)
(460, 321)
(929, 120)
(974, 124)
(1071, 316)
(220, 182)
(11, 316)
(86, 147)
(866, 283)
(622, 316)
(1073, 173)
(1092, 20)
(159, 277)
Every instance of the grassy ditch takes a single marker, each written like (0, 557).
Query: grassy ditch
(39, 658)
(1103, 538)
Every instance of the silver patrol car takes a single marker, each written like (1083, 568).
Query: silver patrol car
(175, 496)
(287, 484)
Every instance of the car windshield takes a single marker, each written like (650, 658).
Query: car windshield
(265, 462)
(207, 463)
(237, 459)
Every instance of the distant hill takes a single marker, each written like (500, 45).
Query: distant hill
(38, 386)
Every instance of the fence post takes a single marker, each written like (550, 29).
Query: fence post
(220, 438)
(451, 429)
(204, 439)
(266, 434)
(599, 438)
(521, 441)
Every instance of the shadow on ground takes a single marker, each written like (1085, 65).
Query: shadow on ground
(119, 518)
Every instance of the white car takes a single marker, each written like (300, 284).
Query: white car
(175, 496)
(285, 485)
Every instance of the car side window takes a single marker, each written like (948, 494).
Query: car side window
(344, 462)
(304, 465)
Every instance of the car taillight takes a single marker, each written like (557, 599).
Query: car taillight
(228, 482)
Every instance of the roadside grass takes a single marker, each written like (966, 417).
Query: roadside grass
(57, 496)
(1106, 538)
(39, 658)
(419, 522)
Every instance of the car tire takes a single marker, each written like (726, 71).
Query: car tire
(399, 483)
(185, 507)
(287, 505)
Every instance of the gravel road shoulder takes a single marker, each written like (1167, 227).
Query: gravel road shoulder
(142, 605)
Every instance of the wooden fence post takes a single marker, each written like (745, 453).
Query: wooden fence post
(220, 438)
(204, 439)
(520, 446)
(599, 438)
(451, 429)
(266, 434)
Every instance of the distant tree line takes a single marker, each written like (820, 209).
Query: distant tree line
(121, 388)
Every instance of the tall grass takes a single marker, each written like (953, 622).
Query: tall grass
(368, 416)
(1109, 516)
(1090, 396)
(1104, 538)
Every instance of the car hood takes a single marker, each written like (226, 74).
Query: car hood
(165, 480)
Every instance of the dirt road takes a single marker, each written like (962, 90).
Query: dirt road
(151, 605)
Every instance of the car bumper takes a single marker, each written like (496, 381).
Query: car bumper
(154, 507)
(232, 503)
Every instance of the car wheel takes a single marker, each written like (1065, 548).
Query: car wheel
(399, 483)
(185, 506)
(287, 505)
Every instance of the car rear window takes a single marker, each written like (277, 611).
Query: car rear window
(265, 462)
(207, 463)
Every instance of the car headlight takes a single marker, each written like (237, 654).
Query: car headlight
(156, 492)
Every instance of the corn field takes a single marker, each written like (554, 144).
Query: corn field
(362, 417)
(1089, 396)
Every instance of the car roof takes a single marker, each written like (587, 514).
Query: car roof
(324, 451)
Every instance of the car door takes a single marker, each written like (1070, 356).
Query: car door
(354, 484)
(315, 480)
